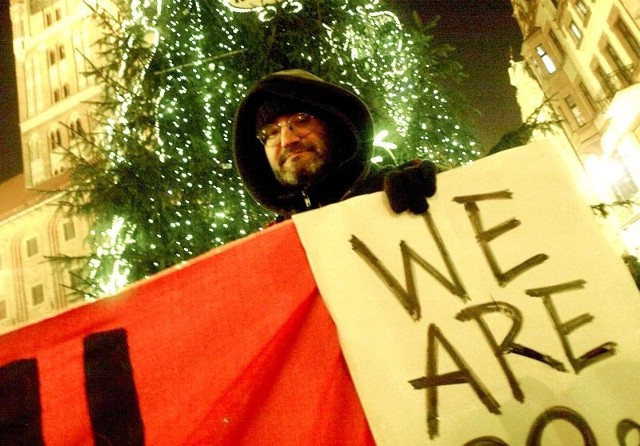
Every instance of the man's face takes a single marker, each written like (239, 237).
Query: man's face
(297, 148)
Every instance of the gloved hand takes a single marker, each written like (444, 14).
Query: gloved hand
(408, 186)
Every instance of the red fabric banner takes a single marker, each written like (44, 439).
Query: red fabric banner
(234, 348)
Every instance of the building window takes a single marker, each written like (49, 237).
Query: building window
(575, 110)
(628, 37)
(587, 95)
(56, 95)
(48, 19)
(58, 14)
(576, 33)
(61, 52)
(79, 128)
(51, 57)
(3, 310)
(76, 130)
(66, 90)
(583, 10)
(606, 82)
(55, 139)
(556, 42)
(54, 55)
(546, 59)
(623, 72)
(32, 247)
(69, 230)
(37, 294)
(75, 286)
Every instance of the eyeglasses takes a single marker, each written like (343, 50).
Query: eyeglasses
(299, 124)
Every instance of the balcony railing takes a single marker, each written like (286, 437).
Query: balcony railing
(612, 83)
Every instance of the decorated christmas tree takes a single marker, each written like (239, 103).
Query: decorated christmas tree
(157, 176)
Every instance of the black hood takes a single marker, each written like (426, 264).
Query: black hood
(345, 114)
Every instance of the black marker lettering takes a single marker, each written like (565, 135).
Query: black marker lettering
(432, 380)
(507, 345)
(624, 427)
(484, 236)
(408, 297)
(560, 413)
(565, 328)
(486, 441)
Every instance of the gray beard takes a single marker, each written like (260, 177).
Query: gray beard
(303, 176)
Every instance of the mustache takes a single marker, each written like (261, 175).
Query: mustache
(293, 149)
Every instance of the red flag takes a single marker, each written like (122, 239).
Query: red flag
(234, 348)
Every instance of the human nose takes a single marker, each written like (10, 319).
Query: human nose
(287, 136)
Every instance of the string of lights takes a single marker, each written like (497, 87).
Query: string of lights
(158, 179)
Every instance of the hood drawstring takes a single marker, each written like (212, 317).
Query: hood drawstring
(307, 200)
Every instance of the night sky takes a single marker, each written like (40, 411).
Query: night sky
(484, 34)
(10, 154)
(482, 31)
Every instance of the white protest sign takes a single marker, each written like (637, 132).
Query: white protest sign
(501, 317)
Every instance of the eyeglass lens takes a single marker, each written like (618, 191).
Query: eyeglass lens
(299, 124)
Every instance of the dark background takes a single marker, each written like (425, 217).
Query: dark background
(10, 153)
(483, 32)
(485, 36)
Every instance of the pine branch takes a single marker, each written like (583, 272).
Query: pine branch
(522, 135)
(603, 209)
(154, 173)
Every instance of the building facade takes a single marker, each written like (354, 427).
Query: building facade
(53, 43)
(32, 232)
(585, 58)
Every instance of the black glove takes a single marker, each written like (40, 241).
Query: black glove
(408, 186)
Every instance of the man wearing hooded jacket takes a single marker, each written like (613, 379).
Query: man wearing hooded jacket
(300, 143)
